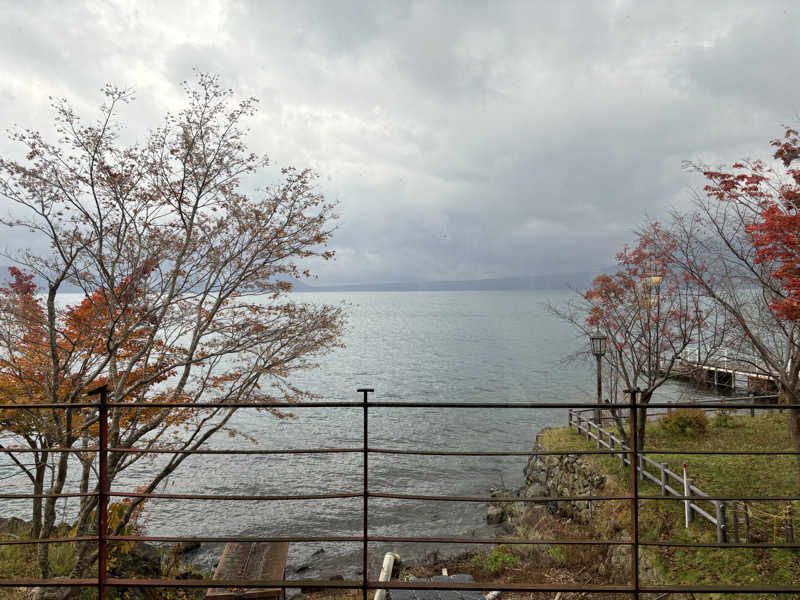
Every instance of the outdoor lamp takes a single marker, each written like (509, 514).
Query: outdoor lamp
(598, 344)
(598, 341)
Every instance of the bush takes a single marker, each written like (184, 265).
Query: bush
(499, 559)
(724, 418)
(686, 422)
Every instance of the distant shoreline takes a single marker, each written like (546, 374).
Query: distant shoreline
(554, 282)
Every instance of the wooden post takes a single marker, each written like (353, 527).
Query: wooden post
(689, 494)
(569, 418)
(663, 478)
(599, 435)
(721, 524)
(641, 467)
(746, 523)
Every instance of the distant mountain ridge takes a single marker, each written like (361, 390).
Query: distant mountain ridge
(557, 281)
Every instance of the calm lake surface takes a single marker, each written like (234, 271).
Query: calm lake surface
(410, 346)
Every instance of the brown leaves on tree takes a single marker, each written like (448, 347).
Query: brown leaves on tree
(184, 277)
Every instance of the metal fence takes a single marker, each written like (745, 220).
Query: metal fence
(103, 582)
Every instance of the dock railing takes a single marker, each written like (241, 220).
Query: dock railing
(102, 535)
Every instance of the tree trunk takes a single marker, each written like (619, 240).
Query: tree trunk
(641, 429)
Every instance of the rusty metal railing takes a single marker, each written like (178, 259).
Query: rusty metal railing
(103, 582)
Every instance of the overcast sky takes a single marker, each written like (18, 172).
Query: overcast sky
(463, 140)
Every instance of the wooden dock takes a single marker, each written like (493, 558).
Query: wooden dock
(254, 561)
(728, 374)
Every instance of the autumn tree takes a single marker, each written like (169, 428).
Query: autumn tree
(740, 247)
(650, 317)
(183, 278)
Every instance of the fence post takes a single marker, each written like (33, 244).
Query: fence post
(746, 523)
(103, 491)
(663, 478)
(641, 467)
(599, 436)
(569, 418)
(690, 514)
(721, 524)
(365, 404)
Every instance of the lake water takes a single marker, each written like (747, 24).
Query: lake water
(411, 346)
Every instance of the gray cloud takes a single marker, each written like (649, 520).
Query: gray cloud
(464, 140)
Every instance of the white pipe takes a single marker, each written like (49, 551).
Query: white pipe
(386, 573)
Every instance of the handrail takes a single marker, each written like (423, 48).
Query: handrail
(608, 444)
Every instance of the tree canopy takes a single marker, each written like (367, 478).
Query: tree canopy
(183, 277)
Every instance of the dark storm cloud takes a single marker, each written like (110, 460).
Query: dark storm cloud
(464, 140)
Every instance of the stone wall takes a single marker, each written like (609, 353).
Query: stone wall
(547, 476)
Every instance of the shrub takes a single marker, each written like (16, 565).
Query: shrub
(497, 560)
(687, 422)
(558, 554)
(723, 418)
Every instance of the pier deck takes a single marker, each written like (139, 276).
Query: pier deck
(251, 560)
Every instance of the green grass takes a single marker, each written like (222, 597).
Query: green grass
(18, 561)
(716, 475)
(495, 561)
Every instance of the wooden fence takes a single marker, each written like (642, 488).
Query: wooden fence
(658, 473)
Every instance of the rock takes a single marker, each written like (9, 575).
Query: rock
(323, 577)
(495, 515)
(143, 560)
(184, 547)
(537, 490)
(563, 475)
(14, 525)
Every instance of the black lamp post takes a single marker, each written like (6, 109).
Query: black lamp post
(598, 349)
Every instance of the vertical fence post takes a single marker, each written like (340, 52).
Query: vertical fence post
(569, 418)
(641, 467)
(663, 479)
(365, 404)
(634, 450)
(746, 523)
(789, 526)
(719, 507)
(103, 491)
(690, 513)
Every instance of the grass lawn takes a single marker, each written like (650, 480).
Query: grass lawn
(663, 521)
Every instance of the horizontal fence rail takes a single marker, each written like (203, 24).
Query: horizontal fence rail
(710, 508)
